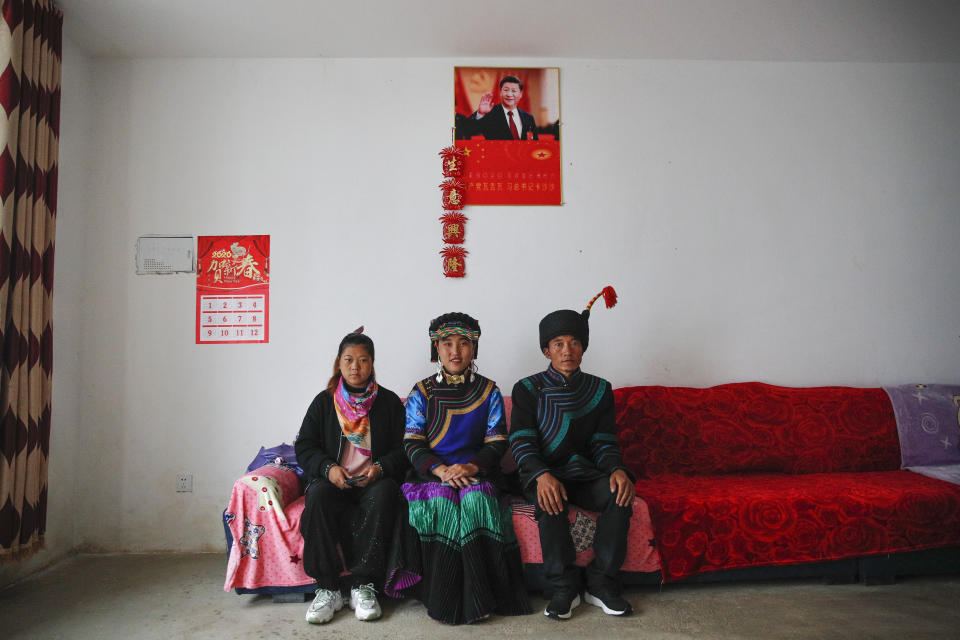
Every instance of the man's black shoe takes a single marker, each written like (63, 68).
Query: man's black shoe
(562, 603)
(609, 600)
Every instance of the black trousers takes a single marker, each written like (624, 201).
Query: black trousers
(360, 520)
(609, 542)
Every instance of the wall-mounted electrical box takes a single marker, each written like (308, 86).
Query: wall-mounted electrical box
(165, 254)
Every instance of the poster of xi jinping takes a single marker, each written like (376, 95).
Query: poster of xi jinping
(507, 121)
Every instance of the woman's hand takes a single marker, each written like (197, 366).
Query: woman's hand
(337, 475)
(371, 475)
(460, 476)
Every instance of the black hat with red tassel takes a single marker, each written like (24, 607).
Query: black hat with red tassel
(566, 322)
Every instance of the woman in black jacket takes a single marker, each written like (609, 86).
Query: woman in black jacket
(350, 447)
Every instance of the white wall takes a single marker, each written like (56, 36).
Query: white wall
(76, 111)
(790, 223)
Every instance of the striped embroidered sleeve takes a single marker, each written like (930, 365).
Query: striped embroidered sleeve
(415, 438)
(495, 439)
(604, 448)
(524, 435)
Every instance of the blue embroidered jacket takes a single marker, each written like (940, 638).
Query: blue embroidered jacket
(448, 424)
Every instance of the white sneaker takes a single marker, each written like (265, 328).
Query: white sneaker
(324, 605)
(363, 601)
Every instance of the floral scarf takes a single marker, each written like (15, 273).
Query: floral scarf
(352, 414)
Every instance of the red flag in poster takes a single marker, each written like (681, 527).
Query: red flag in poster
(507, 122)
(233, 289)
(504, 172)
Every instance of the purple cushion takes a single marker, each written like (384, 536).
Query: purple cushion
(928, 422)
(282, 455)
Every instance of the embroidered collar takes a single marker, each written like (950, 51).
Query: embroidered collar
(466, 376)
(451, 379)
(558, 379)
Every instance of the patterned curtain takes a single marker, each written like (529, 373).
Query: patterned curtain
(30, 49)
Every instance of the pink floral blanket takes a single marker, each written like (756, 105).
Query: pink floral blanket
(264, 519)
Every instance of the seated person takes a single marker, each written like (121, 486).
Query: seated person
(564, 440)
(350, 447)
(503, 121)
(459, 555)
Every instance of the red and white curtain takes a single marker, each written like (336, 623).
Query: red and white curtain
(30, 54)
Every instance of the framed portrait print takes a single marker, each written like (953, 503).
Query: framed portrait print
(507, 121)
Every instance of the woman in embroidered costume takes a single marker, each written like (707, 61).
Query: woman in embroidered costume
(350, 447)
(458, 555)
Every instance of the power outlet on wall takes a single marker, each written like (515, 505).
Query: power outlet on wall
(184, 482)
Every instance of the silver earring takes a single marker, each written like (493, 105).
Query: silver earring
(439, 371)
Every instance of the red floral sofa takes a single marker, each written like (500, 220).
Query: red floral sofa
(743, 480)
(751, 475)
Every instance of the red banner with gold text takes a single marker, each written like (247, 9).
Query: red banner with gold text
(523, 172)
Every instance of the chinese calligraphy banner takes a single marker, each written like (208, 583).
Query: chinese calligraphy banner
(507, 121)
(233, 289)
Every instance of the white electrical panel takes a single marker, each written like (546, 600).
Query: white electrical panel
(165, 254)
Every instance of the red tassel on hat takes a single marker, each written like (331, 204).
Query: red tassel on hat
(609, 298)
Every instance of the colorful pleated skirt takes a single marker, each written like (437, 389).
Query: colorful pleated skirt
(457, 553)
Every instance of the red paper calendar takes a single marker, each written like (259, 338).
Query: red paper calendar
(233, 289)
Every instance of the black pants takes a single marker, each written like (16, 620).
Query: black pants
(360, 520)
(609, 542)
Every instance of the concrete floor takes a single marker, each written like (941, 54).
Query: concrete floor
(181, 596)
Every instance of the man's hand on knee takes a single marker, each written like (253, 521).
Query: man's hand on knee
(551, 494)
(621, 485)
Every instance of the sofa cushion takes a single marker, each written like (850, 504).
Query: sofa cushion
(641, 557)
(707, 523)
(755, 427)
(928, 421)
